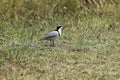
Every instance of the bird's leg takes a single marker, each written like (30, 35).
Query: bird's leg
(52, 43)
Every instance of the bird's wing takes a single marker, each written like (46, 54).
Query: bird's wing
(51, 34)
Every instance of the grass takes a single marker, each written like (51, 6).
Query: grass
(87, 50)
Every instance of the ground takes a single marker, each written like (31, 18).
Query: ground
(87, 50)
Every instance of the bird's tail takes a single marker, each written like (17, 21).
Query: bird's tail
(42, 38)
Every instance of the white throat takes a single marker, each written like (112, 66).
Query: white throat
(59, 30)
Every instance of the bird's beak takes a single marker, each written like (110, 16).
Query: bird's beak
(63, 27)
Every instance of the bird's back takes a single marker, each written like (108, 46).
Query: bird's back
(51, 35)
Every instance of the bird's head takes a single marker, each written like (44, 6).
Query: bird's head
(59, 27)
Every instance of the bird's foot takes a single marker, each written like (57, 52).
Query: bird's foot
(52, 45)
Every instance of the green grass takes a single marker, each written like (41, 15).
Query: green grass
(87, 50)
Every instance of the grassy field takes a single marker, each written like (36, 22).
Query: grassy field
(89, 48)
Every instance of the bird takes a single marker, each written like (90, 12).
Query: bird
(53, 35)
